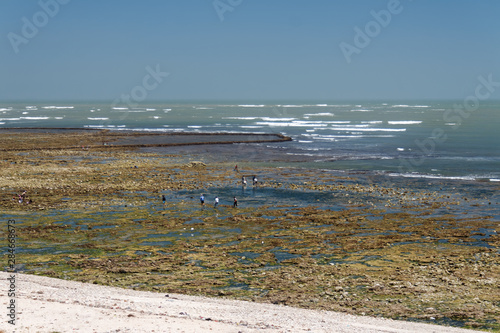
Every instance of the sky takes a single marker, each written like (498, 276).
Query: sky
(317, 50)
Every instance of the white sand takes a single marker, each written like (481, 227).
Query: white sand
(52, 305)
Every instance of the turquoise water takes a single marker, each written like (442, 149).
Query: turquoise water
(409, 139)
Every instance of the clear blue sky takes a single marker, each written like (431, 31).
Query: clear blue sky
(262, 50)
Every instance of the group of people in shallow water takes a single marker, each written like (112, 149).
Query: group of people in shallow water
(244, 181)
(216, 201)
(22, 198)
(243, 178)
(202, 201)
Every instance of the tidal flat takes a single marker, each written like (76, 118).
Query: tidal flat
(417, 250)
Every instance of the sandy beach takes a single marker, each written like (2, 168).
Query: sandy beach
(54, 305)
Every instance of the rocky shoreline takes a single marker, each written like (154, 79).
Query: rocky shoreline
(302, 238)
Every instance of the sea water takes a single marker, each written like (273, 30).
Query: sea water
(403, 139)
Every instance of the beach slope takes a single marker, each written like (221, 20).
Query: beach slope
(52, 305)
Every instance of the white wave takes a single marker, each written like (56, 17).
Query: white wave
(166, 110)
(251, 106)
(250, 126)
(288, 124)
(372, 122)
(404, 122)
(310, 122)
(156, 117)
(321, 114)
(451, 124)
(326, 137)
(106, 126)
(361, 110)
(293, 106)
(203, 108)
(53, 107)
(195, 126)
(241, 118)
(353, 126)
(35, 118)
(300, 154)
(416, 175)
(370, 129)
(31, 107)
(6, 109)
(142, 110)
(401, 149)
(308, 148)
(2, 123)
(321, 105)
(494, 180)
(469, 158)
(26, 113)
(305, 141)
(356, 135)
(89, 118)
(410, 106)
(116, 108)
(58, 118)
(277, 119)
(11, 119)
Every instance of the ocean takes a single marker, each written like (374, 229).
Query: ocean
(420, 139)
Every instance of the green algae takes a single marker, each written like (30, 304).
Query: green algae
(104, 223)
